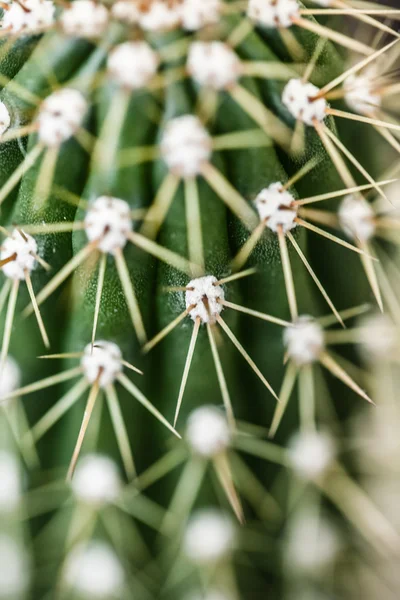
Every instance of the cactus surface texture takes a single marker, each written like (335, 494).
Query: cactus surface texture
(199, 300)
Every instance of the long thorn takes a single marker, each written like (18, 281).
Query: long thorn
(59, 409)
(353, 117)
(333, 36)
(228, 194)
(354, 69)
(164, 332)
(245, 355)
(288, 275)
(336, 370)
(188, 363)
(121, 432)
(12, 301)
(221, 378)
(284, 395)
(62, 276)
(354, 161)
(339, 193)
(334, 155)
(248, 247)
(331, 237)
(37, 310)
(371, 274)
(44, 383)
(17, 175)
(130, 296)
(256, 313)
(99, 293)
(136, 393)
(314, 276)
(193, 220)
(237, 276)
(170, 258)
(85, 422)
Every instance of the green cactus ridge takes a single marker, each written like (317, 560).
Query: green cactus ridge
(199, 237)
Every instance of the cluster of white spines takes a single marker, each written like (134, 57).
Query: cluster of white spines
(205, 298)
(159, 15)
(361, 92)
(10, 482)
(5, 118)
(195, 15)
(209, 537)
(133, 64)
(213, 64)
(14, 568)
(356, 217)
(379, 338)
(313, 544)
(311, 454)
(211, 594)
(21, 247)
(96, 481)
(276, 207)
(273, 13)
(186, 146)
(102, 362)
(304, 340)
(85, 18)
(207, 432)
(94, 571)
(60, 116)
(108, 221)
(10, 378)
(302, 101)
(32, 17)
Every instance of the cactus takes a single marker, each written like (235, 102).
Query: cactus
(198, 244)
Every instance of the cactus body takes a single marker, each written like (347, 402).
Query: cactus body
(192, 196)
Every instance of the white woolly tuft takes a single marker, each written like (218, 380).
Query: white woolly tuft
(127, 11)
(96, 480)
(276, 206)
(10, 378)
(214, 65)
(160, 16)
(85, 18)
(312, 546)
(207, 431)
(304, 340)
(211, 595)
(273, 13)
(298, 97)
(94, 571)
(195, 14)
(186, 146)
(10, 482)
(109, 221)
(360, 93)
(14, 569)
(102, 363)
(5, 118)
(60, 116)
(357, 218)
(200, 289)
(133, 64)
(209, 537)
(379, 338)
(23, 247)
(311, 454)
(34, 17)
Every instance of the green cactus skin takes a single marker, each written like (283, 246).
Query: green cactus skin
(224, 509)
